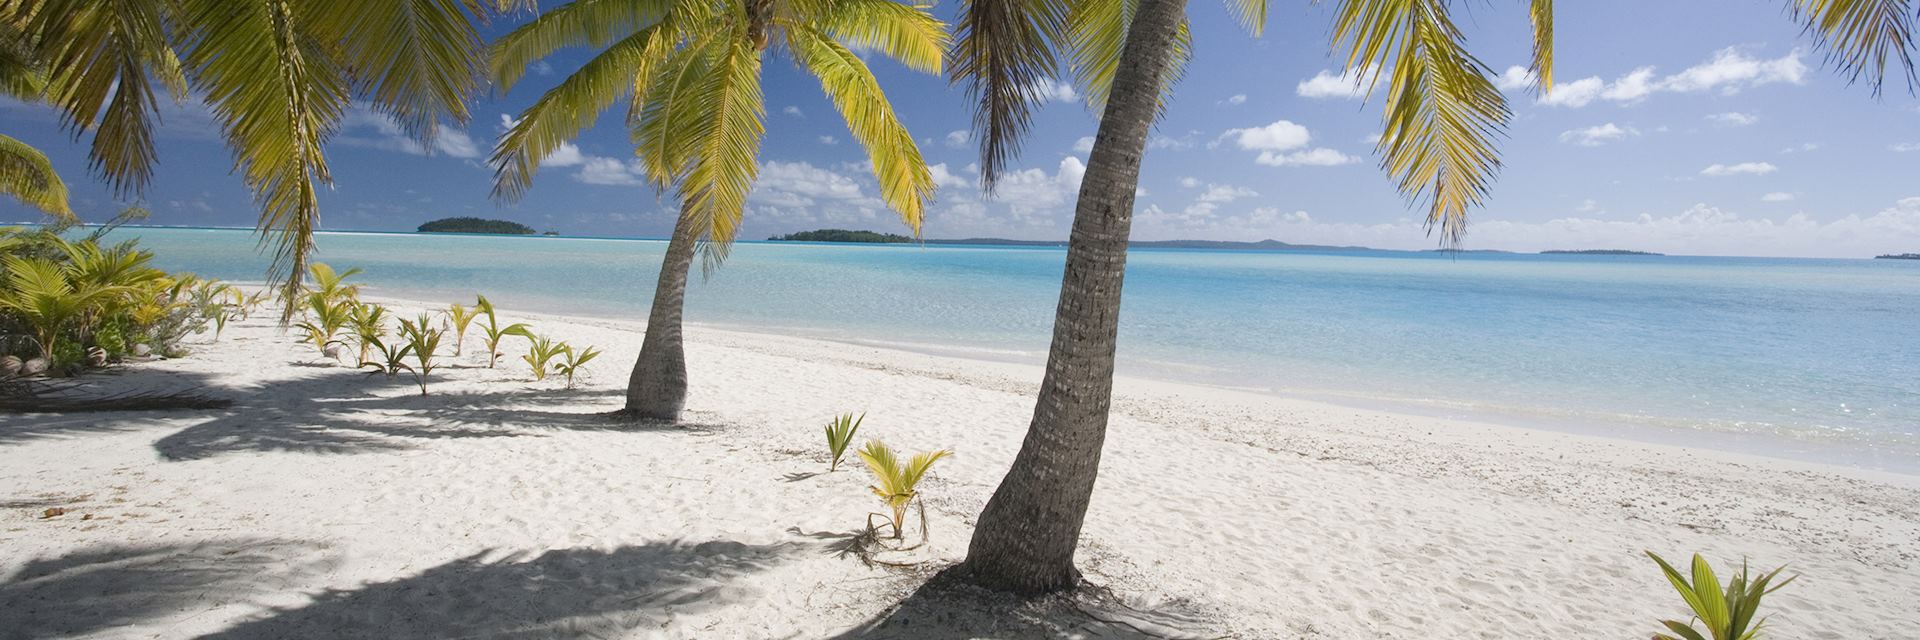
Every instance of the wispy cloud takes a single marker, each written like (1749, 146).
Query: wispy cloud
(1729, 71)
(1597, 135)
(1744, 168)
(1325, 84)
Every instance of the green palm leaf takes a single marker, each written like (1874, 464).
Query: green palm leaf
(418, 60)
(1442, 112)
(26, 174)
(1003, 53)
(905, 183)
(1096, 33)
(728, 142)
(279, 93)
(1862, 36)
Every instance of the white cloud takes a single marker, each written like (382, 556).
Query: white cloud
(1744, 168)
(794, 111)
(363, 127)
(945, 178)
(1163, 142)
(829, 140)
(1318, 157)
(1903, 147)
(1237, 99)
(1515, 77)
(1587, 206)
(1083, 145)
(1729, 71)
(1597, 135)
(1189, 182)
(1057, 91)
(541, 68)
(959, 138)
(1354, 83)
(1279, 136)
(1733, 119)
(1225, 193)
(1777, 196)
(608, 171)
(565, 155)
(1810, 146)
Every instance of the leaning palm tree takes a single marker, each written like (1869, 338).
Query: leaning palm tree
(690, 71)
(1441, 119)
(278, 74)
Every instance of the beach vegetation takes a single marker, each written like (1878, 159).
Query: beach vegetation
(325, 321)
(392, 357)
(575, 360)
(423, 341)
(690, 75)
(331, 286)
(1725, 613)
(496, 333)
(840, 432)
(541, 351)
(51, 300)
(470, 224)
(897, 484)
(368, 323)
(460, 317)
(70, 304)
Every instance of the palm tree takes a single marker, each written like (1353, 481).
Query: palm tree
(25, 172)
(1441, 116)
(691, 74)
(278, 74)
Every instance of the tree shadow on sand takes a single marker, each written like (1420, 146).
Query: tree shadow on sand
(947, 608)
(335, 413)
(100, 588)
(569, 593)
(19, 426)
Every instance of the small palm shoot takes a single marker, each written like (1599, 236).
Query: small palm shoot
(325, 320)
(839, 434)
(576, 358)
(369, 324)
(423, 340)
(393, 358)
(462, 317)
(895, 483)
(540, 352)
(330, 285)
(494, 332)
(1728, 614)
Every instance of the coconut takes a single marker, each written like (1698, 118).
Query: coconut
(34, 367)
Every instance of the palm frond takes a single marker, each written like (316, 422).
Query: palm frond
(723, 169)
(101, 58)
(27, 175)
(279, 94)
(21, 77)
(580, 23)
(1862, 37)
(1003, 55)
(1442, 112)
(418, 61)
(1540, 14)
(570, 107)
(662, 127)
(1252, 15)
(905, 183)
(907, 33)
(1096, 34)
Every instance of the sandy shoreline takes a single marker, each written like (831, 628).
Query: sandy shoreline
(331, 503)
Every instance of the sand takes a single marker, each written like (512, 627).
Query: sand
(332, 503)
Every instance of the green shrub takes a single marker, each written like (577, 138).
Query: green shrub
(575, 360)
(896, 483)
(325, 319)
(840, 433)
(540, 351)
(1727, 614)
(423, 340)
(495, 333)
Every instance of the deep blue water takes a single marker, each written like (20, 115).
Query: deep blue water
(1807, 358)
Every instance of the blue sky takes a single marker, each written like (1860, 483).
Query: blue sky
(1700, 127)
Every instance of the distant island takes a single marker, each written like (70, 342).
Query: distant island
(842, 235)
(1603, 252)
(845, 235)
(1899, 256)
(476, 225)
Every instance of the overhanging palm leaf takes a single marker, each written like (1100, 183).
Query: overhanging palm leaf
(279, 94)
(1097, 31)
(1863, 36)
(418, 61)
(101, 58)
(905, 182)
(728, 142)
(1004, 52)
(26, 174)
(1442, 112)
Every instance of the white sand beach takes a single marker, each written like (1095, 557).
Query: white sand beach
(331, 503)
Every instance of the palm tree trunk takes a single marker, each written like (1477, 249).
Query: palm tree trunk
(657, 389)
(1026, 536)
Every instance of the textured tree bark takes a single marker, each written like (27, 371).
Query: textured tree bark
(657, 389)
(1026, 536)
